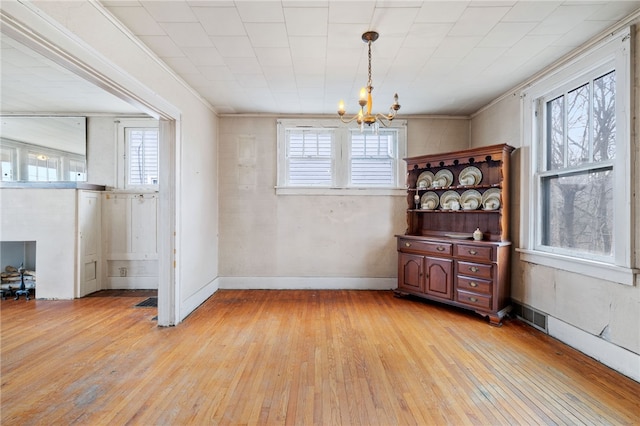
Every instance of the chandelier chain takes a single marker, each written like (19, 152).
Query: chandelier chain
(369, 82)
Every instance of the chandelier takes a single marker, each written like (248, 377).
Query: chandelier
(366, 116)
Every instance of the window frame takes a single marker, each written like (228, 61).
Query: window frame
(122, 163)
(341, 162)
(612, 53)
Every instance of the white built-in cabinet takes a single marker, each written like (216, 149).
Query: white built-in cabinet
(129, 240)
(89, 263)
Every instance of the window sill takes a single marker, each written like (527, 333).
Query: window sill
(341, 191)
(600, 270)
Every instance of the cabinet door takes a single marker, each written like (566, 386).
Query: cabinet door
(410, 272)
(89, 226)
(439, 277)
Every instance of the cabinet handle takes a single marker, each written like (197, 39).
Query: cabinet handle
(439, 248)
(473, 284)
(473, 252)
(473, 299)
(407, 244)
(473, 269)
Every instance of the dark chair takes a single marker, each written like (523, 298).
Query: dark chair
(23, 288)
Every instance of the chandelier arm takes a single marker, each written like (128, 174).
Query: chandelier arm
(385, 120)
(349, 120)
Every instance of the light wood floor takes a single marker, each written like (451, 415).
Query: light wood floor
(295, 357)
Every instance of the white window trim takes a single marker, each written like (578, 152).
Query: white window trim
(622, 270)
(121, 162)
(398, 190)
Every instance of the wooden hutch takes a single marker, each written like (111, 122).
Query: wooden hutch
(438, 259)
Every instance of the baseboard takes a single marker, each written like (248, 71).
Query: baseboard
(307, 283)
(198, 298)
(130, 283)
(613, 356)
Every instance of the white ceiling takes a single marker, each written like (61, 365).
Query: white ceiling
(302, 57)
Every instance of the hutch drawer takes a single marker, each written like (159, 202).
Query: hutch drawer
(475, 285)
(474, 252)
(424, 247)
(474, 269)
(474, 299)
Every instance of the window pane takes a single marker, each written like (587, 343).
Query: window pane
(77, 171)
(42, 168)
(555, 133)
(578, 126)
(308, 143)
(372, 158)
(604, 120)
(310, 171)
(142, 156)
(7, 160)
(309, 157)
(577, 212)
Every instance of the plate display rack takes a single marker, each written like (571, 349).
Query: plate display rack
(438, 257)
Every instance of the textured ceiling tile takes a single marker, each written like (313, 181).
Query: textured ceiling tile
(170, 11)
(478, 21)
(260, 11)
(302, 21)
(351, 12)
(506, 34)
(187, 34)
(204, 56)
(233, 47)
(138, 20)
(441, 11)
(162, 46)
(220, 21)
(267, 34)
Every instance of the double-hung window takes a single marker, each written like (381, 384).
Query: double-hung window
(319, 156)
(138, 144)
(578, 214)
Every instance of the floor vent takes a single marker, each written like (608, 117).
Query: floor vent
(531, 316)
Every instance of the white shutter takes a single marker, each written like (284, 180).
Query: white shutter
(373, 158)
(309, 157)
(142, 156)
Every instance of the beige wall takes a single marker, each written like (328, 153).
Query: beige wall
(267, 235)
(603, 309)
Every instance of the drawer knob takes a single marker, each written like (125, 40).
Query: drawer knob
(473, 299)
(440, 248)
(407, 244)
(473, 284)
(473, 269)
(473, 252)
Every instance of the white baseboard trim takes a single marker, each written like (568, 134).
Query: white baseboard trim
(616, 357)
(307, 283)
(131, 283)
(198, 298)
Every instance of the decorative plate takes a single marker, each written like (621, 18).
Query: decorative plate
(491, 199)
(424, 180)
(470, 176)
(470, 200)
(429, 201)
(444, 177)
(449, 197)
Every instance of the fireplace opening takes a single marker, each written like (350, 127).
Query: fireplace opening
(18, 263)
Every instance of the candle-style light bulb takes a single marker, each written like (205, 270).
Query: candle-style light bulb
(363, 94)
(341, 107)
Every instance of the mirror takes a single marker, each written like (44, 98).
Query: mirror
(43, 149)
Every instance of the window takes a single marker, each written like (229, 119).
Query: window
(142, 156)
(138, 145)
(42, 167)
(577, 125)
(8, 161)
(319, 155)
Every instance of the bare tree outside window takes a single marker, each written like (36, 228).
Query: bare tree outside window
(577, 187)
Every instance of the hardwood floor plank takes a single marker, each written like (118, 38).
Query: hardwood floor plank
(295, 357)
